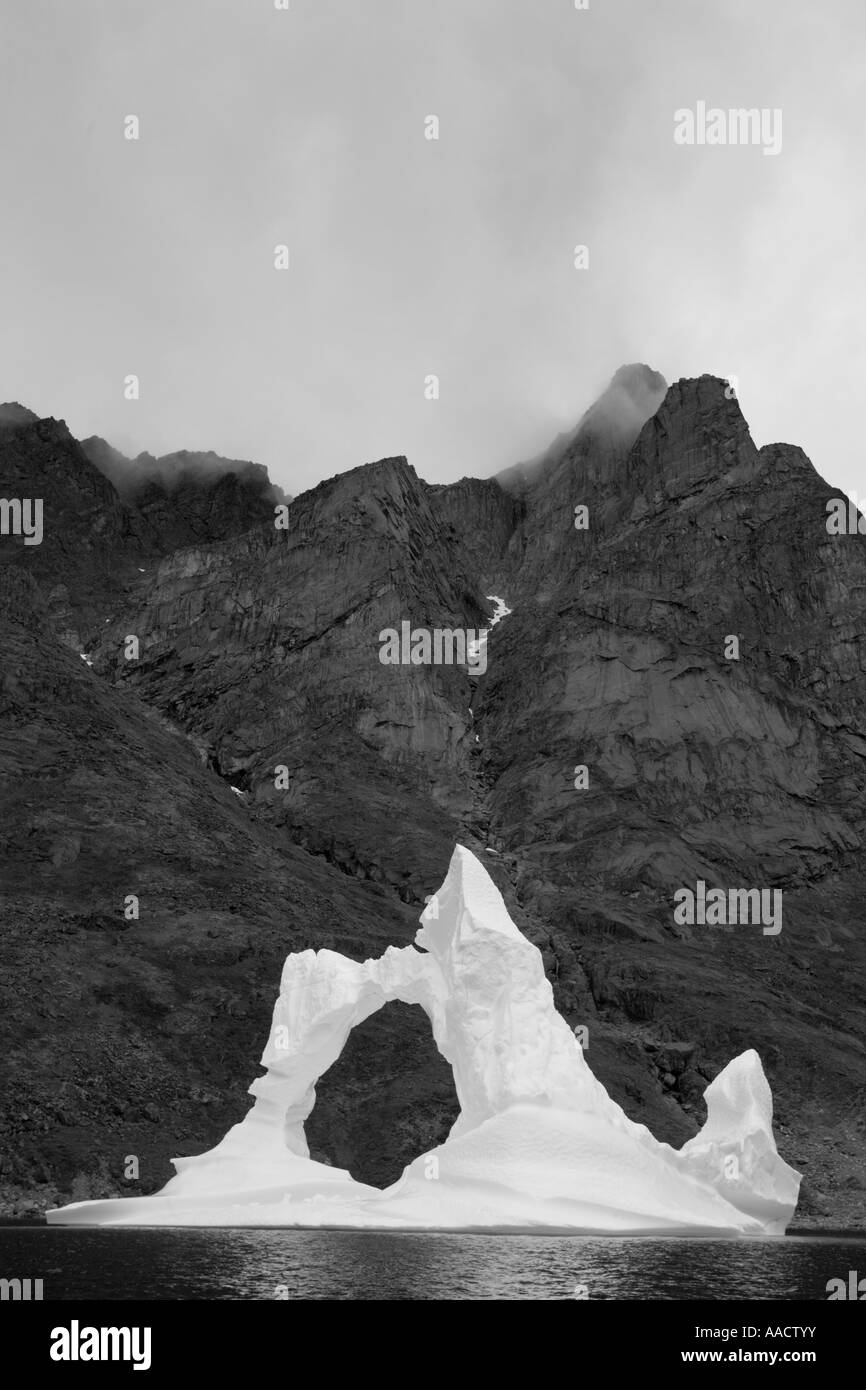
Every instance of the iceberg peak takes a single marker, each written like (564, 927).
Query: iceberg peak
(538, 1145)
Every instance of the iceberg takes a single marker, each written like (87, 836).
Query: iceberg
(539, 1145)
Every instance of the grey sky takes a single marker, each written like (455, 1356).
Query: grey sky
(410, 256)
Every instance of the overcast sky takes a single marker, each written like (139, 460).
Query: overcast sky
(410, 256)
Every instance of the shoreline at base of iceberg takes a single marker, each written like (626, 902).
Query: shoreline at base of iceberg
(539, 1145)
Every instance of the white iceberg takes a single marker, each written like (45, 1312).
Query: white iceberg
(538, 1146)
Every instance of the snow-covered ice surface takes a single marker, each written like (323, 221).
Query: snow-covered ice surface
(538, 1146)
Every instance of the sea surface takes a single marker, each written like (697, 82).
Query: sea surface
(160, 1263)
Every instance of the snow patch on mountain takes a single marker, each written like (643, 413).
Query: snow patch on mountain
(501, 611)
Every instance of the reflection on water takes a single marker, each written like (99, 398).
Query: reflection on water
(240, 1264)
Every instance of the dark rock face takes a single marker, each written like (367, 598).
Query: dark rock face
(185, 498)
(486, 522)
(266, 651)
(92, 543)
(742, 773)
(259, 650)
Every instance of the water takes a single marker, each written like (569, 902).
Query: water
(159, 1263)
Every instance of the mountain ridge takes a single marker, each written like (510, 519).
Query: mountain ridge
(259, 649)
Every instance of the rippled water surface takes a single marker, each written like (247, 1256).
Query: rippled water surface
(242, 1264)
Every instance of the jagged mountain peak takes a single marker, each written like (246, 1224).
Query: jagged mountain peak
(387, 468)
(636, 377)
(168, 471)
(389, 481)
(697, 435)
(186, 497)
(633, 396)
(614, 421)
(12, 414)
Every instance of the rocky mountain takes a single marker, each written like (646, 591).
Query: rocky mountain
(188, 497)
(261, 781)
(93, 546)
(13, 414)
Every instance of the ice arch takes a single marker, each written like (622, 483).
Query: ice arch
(481, 984)
(538, 1144)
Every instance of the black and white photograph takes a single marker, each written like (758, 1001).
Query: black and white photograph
(432, 670)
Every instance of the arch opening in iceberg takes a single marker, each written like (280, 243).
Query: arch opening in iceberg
(388, 1097)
